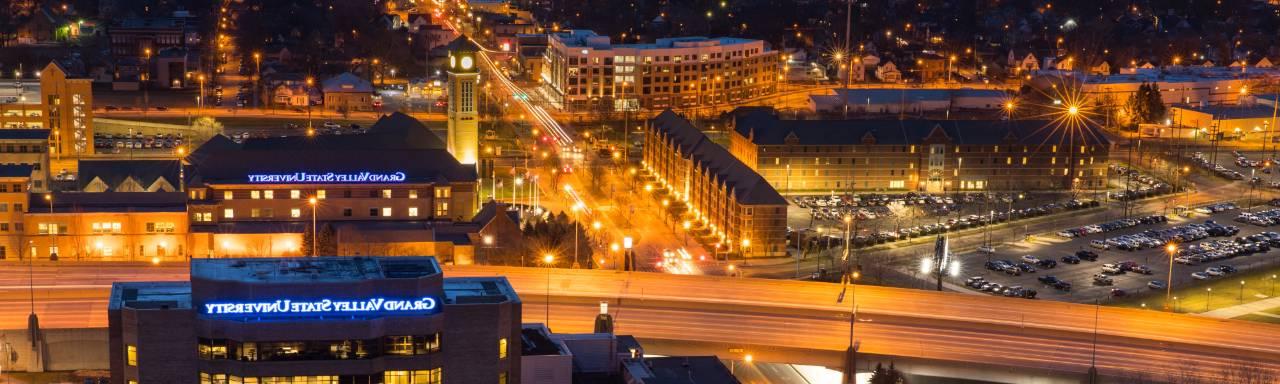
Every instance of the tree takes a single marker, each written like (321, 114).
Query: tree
(887, 376)
(327, 242)
(203, 129)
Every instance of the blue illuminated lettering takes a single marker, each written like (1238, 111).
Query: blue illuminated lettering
(330, 177)
(371, 305)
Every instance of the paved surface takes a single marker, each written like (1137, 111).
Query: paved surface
(768, 313)
(1244, 309)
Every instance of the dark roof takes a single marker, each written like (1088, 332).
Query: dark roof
(688, 370)
(73, 202)
(346, 82)
(114, 172)
(764, 127)
(462, 44)
(748, 186)
(24, 134)
(245, 227)
(16, 170)
(396, 143)
(489, 210)
(1255, 111)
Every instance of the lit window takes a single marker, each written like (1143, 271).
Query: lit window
(228, 213)
(320, 194)
(442, 192)
(295, 213)
(268, 194)
(131, 355)
(413, 193)
(386, 193)
(386, 211)
(295, 194)
(413, 211)
(442, 208)
(227, 195)
(502, 348)
(255, 195)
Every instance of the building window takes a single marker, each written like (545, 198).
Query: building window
(295, 194)
(255, 195)
(373, 212)
(254, 212)
(161, 227)
(295, 213)
(413, 193)
(400, 345)
(106, 227)
(386, 193)
(320, 194)
(897, 184)
(442, 192)
(131, 355)
(442, 208)
(346, 212)
(502, 348)
(386, 211)
(227, 195)
(502, 378)
(268, 194)
(228, 213)
(413, 211)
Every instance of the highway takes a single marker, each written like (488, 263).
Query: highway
(764, 314)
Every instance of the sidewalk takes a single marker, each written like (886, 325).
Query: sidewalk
(1244, 309)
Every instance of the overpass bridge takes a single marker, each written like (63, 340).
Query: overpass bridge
(791, 321)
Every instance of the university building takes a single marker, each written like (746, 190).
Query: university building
(808, 156)
(325, 320)
(586, 71)
(396, 183)
(730, 203)
(55, 102)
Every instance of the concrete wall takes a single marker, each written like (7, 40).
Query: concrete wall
(66, 349)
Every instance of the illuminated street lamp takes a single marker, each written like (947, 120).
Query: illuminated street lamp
(547, 260)
(52, 229)
(1172, 249)
(314, 203)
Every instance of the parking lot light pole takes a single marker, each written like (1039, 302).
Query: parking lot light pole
(1241, 300)
(1207, 293)
(1168, 281)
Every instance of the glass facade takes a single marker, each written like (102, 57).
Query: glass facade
(222, 349)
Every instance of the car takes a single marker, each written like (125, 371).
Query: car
(331, 125)
(1228, 269)
(1026, 267)
(1087, 255)
(1013, 270)
(1047, 279)
(1099, 244)
(1187, 260)
(1117, 292)
(1071, 259)
(1062, 286)
(1101, 279)
(987, 249)
(1156, 284)
(1199, 276)
(1030, 259)
(1112, 269)
(1214, 271)
(975, 281)
(1047, 263)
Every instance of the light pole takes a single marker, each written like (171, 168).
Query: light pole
(577, 229)
(1168, 281)
(53, 230)
(746, 246)
(1241, 299)
(851, 354)
(1207, 293)
(257, 78)
(310, 130)
(202, 97)
(314, 235)
(547, 259)
(146, 72)
(686, 225)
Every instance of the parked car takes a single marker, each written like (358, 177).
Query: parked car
(1099, 244)
(1087, 255)
(1117, 292)
(1228, 269)
(1156, 284)
(986, 249)
(1112, 269)
(1047, 263)
(1101, 279)
(1071, 259)
(1199, 276)
(1047, 279)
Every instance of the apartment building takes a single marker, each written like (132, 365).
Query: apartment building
(587, 71)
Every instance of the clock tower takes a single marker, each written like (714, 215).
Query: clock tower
(464, 78)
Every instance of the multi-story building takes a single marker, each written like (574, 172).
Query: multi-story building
(326, 320)
(28, 147)
(728, 200)
(918, 155)
(62, 105)
(14, 181)
(586, 70)
(254, 198)
(134, 37)
(105, 226)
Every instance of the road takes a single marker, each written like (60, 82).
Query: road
(789, 314)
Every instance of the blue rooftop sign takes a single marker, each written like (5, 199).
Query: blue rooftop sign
(285, 307)
(330, 177)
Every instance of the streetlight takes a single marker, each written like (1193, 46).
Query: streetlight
(257, 77)
(1207, 293)
(313, 202)
(686, 226)
(310, 131)
(1168, 281)
(547, 259)
(1241, 300)
(202, 97)
(53, 230)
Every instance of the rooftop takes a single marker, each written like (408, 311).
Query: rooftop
(327, 269)
(478, 290)
(1254, 111)
(748, 186)
(346, 82)
(905, 95)
(16, 170)
(28, 93)
(536, 341)
(72, 202)
(680, 370)
(589, 38)
(765, 128)
(24, 134)
(151, 295)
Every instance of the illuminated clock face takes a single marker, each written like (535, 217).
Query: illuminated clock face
(466, 62)
(453, 61)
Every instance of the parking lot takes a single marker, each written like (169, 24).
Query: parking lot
(1214, 245)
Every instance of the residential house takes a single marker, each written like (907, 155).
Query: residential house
(347, 92)
(889, 73)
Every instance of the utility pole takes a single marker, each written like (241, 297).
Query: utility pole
(848, 24)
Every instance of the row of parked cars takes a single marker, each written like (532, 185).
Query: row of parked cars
(1159, 237)
(136, 141)
(1203, 162)
(1222, 249)
(1139, 185)
(1262, 218)
(1111, 226)
(980, 283)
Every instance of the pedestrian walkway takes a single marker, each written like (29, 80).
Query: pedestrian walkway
(1244, 309)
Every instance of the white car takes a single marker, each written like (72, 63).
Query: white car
(1214, 271)
(1112, 269)
(1030, 259)
(331, 125)
(1199, 276)
(987, 249)
(1099, 244)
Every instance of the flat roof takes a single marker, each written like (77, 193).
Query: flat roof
(11, 92)
(536, 341)
(897, 95)
(151, 295)
(589, 38)
(1254, 111)
(478, 290)
(312, 269)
